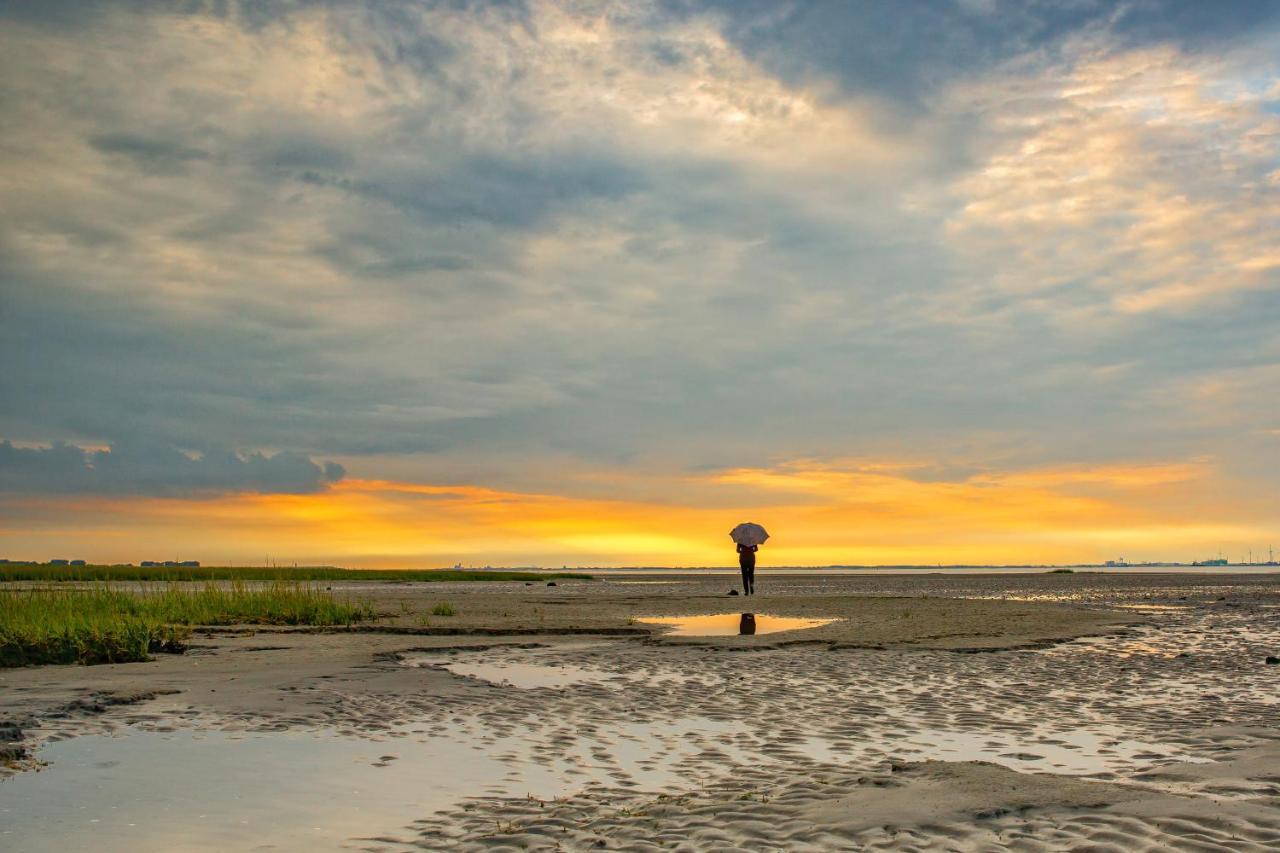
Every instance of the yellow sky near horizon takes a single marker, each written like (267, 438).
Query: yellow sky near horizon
(855, 512)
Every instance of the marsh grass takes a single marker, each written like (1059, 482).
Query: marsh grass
(44, 572)
(444, 608)
(105, 625)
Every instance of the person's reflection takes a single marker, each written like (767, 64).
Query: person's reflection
(748, 624)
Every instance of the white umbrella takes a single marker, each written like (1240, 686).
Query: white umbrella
(749, 533)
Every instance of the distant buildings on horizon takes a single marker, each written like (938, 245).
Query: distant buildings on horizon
(1122, 563)
(179, 564)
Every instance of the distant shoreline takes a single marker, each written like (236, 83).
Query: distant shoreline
(331, 572)
(1163, 568)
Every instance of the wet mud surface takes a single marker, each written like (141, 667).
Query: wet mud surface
(1161, 735)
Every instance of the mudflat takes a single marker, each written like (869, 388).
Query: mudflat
(947, 711)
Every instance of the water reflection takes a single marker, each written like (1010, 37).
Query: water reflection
(152, 792)
(731, 624)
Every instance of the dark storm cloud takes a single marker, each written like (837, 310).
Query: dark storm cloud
(159, 471)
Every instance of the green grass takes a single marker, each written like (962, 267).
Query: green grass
(104, 625)
(444, 608)
(44, 572)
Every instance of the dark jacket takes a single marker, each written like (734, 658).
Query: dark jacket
(747, 555)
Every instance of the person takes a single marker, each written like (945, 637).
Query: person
(747, 561)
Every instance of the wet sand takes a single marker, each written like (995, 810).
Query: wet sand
(1036, 712)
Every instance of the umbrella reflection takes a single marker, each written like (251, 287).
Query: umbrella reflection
(748, 624)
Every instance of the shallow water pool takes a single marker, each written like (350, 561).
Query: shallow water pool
(730, 624)
(142, 790)
(214, 790)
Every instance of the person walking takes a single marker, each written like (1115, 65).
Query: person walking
(747, 561)
(748, 536)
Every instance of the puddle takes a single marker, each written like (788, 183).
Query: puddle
(731, 624)
(655, 756)
(1119, 648)
(209, 790)
(530, 676)
(218, 791)
(526, 676)
(1128, 650)
(1146, 643)
(1078, 753)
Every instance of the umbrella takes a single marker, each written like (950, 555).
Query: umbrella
(749, 533)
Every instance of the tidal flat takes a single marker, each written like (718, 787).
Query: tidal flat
(1030, 711)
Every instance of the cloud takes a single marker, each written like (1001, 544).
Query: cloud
(638, 237)
(241, 210)
(142, 470)
(872, 481)
(905, 53)
(1135, 181)
(147, 152)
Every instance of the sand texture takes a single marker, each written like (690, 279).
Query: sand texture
(937, 713)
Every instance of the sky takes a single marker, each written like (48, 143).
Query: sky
(588, 283)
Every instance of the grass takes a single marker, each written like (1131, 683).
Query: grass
(104, 625)
(45, 572)
(444, 608)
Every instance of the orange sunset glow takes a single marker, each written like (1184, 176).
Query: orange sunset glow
(872, 514)
(589, 284)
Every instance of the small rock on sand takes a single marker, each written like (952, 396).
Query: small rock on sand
(11, 748)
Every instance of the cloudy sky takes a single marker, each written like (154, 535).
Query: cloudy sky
(588, 283)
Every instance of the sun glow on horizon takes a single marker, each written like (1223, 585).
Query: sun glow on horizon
(852, 513)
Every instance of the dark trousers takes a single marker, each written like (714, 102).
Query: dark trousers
(748, 578)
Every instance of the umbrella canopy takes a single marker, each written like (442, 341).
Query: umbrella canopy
(749, 533)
